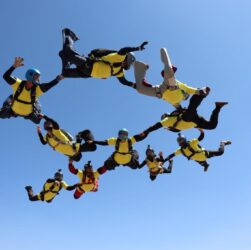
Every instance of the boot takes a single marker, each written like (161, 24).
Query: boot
(29, 190)
(68, 32)
(220, 104)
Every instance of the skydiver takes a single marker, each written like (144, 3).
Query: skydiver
(155, 164)
(88, 178)
(185, 118)
(102, 64)
(170, 90)
(124, 153)
(24, 100)
(51, 188)
(192, 150)
(61, 141)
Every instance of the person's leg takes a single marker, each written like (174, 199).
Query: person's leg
(31, 196)
(34, 117)
(213, 122)
(141, 85)
(152, 177)
(134, 163)
(191, 110)
(169, 79)
(110, 163)
(69, 55)
(78, 193)
(6, 111)
(87, 136)
(220, 151)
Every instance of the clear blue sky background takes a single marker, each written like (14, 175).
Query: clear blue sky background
(209, 42)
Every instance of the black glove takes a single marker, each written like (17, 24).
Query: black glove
(142, 46)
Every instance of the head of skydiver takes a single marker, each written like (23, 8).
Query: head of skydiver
(88, 169)
(150, 154)
(123, 134)
(33, 78)
(182, 141)
(129, 60)
(48, 126)
(58, 176)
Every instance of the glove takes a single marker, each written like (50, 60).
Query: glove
(142, 46)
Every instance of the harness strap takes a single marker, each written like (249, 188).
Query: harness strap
(193, 152)
(129, 146)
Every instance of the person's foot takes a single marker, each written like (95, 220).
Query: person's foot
(204, 91)
(28, 188)
(68, 32)
(226, 142)
(220, 104)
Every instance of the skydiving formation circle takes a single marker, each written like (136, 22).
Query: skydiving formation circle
(103, 64)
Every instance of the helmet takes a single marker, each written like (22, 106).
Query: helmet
(165, 115)
(30, 75)
(123, 134)
(48, 125)
(181, 139)
(58, 175)
(130, 59)
(88, 166)
(150, 151)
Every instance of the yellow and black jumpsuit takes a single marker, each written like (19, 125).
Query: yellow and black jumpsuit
(155, 166)
(23, 102)
(51, 188)
(88, 182)
(193, 151)
(124, 153)
(188, 118)
(60, 142)
(106, 66)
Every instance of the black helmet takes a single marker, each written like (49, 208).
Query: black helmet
(150, 151)
(181, 139)
(48, 125)
(88, 166)
(58, 175)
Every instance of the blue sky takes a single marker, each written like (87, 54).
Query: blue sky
(209, 42)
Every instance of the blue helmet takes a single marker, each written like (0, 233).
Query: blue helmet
(30, 74)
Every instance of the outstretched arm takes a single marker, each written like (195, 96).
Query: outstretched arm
(169, 157)
(102, 143)
(142, 164)
(126, 50)
(154, 127)
(46, 86)
(124, 81)
(102, 170)
(141, 136)
(39, 132)
(7, 75)
(201, 137)
(72, 187)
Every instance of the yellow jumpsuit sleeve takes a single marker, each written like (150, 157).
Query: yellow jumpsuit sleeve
(38, 91)
(16, 84)
(112, 141)
(186, 88)
(64, 184)
(178, 151)
(133, 140)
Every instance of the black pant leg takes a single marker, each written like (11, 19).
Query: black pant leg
(191, 111)
(205, 124)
